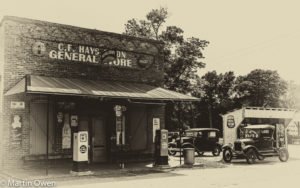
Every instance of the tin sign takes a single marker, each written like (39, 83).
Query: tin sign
(17, 105)
(230, 121)
(156, 126)
(74, 120)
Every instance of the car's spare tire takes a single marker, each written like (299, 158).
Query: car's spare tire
(283, 154)
(227, 155)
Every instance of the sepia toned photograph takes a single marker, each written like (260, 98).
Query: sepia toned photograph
(140, 94)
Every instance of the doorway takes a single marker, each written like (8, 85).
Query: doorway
(98, 139)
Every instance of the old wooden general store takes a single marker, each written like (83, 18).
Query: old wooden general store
(56, 79)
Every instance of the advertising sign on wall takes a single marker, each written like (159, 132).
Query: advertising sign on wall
(156, 126)
(230, 121)
(120, 124)
(74, 120)
(17, 105)
(66, 134)
(16, 131)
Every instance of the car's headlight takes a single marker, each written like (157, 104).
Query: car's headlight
(243, 144)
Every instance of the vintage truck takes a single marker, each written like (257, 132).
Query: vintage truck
(253, 133)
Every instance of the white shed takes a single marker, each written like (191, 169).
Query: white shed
(252, 116)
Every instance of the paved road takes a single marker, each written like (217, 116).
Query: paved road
(268, 173)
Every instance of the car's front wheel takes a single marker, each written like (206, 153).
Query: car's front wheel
(250, 156)
(227, 155)
(171, 150)
(216, 151)
(283, 155)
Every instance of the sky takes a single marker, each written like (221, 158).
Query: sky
(243, 35)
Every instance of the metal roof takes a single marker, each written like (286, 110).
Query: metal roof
(202, 129)
(263, 113)
(81, 87)
(261, 126)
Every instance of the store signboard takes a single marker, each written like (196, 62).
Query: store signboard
(92, 54)
(95, 55)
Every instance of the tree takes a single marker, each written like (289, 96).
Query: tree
(215, 91)
(182, 58)
(147, 28)
(263, 88)
(291, 98)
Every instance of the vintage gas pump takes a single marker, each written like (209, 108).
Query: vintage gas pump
(161, 148)
(80, 152)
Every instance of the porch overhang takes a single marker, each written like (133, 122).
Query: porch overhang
(32, 84)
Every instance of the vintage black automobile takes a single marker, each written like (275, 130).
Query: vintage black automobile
(202, 139)
(172, 136)
(256, 142)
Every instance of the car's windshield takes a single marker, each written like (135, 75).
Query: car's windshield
(266, 133)
(190, 133)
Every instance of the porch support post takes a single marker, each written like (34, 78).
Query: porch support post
(47, 142)
(180, 131)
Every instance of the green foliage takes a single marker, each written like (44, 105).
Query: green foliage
(182, 59)
(263, 88)
(181, 67)
(215, 91)
(138, 28)
(148, 28)
(156, 18)
(291, 99)
(182, 56)
(219, 93)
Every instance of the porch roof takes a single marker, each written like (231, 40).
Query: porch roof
(81, 87)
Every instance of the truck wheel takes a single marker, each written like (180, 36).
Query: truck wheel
(250, 156)
(227, 155)
(283, 155)
(216, 151)
(173, 153)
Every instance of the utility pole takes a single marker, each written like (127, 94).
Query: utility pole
(298, 127)
(210, 116)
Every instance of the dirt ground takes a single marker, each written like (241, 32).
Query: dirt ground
(213, 173)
